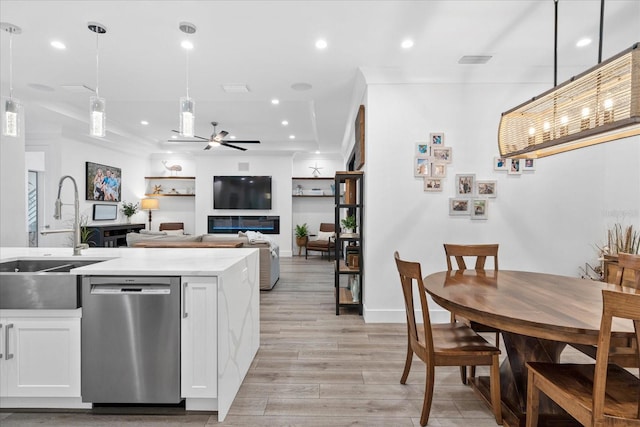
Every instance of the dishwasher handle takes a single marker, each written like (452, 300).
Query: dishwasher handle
(184, 300)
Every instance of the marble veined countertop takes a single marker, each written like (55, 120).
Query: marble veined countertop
(140, 261)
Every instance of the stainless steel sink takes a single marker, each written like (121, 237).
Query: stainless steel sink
(40, 284)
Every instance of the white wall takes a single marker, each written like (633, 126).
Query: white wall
(64, 156)
(277, 166)
(13, 190)
(548, 220)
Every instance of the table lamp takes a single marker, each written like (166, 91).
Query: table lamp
(151, 205)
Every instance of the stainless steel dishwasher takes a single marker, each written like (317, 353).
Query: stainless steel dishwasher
(130, 339)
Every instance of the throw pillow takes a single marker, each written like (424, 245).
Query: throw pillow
(326, 235)
(174, 232)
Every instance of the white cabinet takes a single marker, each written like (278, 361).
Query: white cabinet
(40, 357)
(199, 338)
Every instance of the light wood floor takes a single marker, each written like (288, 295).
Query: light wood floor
(314, 369)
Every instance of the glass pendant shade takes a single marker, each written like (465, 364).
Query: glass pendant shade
(12, 120)
(187, 116)
(97, 118)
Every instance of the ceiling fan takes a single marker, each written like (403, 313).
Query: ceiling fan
(215, 139)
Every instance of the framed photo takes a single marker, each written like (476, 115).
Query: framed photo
(515, 166)
(433, 184)
(438, 170)
(422, 149)
(436, 138)
(421, 166)
(465, 185)
(487, 188)
(479, 208)
(442, 154)
(500, 164)
(359, 146)
(104, 183)
(459, 206)
(528, 164)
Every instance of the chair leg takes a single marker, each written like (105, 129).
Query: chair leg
(533, 401)
(463, 374)
(494, 383)
(428, 396)
(407, 364)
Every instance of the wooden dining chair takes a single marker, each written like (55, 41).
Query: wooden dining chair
(171, 226)
(600, 394)
(480, 252)
(628, 262)
(442, 344)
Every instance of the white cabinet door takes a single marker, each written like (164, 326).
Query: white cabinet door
(199, 338)
(44, 357)
(3, 362)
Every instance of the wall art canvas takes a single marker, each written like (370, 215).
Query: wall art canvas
(433, 185)
(500, 164)
(528, 164)
(103, 183)
(487, 188)
(422, 149)
(442, 154)
(438, 170)
(421, 166)
(515, 166)
(479, 208)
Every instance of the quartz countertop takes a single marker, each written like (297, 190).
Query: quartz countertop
(140, 261)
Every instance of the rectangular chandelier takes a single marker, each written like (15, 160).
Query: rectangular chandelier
(602, 104)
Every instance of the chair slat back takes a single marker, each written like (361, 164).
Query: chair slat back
(411, 273)
(614, 304)
(327, 227)
(481, 252)
(628, 262)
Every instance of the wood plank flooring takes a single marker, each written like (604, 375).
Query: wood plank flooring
(314, 369)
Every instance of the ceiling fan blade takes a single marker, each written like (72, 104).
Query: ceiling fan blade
(244, 142)
(220, 136)
(207, 147)
(232, 146)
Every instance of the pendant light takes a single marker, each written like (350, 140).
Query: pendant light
(97, 105)
(12, 117)
(187, 104)
(597, 106)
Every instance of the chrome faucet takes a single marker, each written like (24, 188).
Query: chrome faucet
(76, 217)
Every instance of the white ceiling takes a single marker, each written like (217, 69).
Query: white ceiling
(269, 45)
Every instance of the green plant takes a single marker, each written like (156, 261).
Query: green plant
(302, 230)
(85, 231)
(129, 209)
(349, 222)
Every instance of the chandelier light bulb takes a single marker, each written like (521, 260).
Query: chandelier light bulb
(608, 104)
(585, 112)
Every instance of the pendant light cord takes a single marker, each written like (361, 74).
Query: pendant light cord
(555, 44)
(601, 31)
(97, 64)
(11, 64)
(187, 50)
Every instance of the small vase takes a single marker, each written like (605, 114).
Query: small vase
(128, 221)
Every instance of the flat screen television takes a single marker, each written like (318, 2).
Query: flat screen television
(105, 212)
(242, 192)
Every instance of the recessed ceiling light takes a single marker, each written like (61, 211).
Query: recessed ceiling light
(285, 123)
(321, 44)
(292, 137)
(407, 44)
(174, 137)
(58, 45)
(144, 122)
(317, 151)
(586, 41)
(232, 137)
(275, 101)
(187, 45)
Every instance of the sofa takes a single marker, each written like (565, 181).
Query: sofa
(269, 254)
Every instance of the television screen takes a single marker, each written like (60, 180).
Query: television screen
(242, 192)
(105, 212)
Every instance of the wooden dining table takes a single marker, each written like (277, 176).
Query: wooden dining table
(538, 314)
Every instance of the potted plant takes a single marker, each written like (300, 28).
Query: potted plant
(129, 209)
(302, 236)
(349, 224)
(85, 232)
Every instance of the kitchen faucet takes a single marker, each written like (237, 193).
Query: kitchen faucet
(76, 217)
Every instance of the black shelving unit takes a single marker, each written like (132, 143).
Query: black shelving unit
(112, 236)
(349, 259)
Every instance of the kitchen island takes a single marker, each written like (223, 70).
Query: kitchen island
(219, 326)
